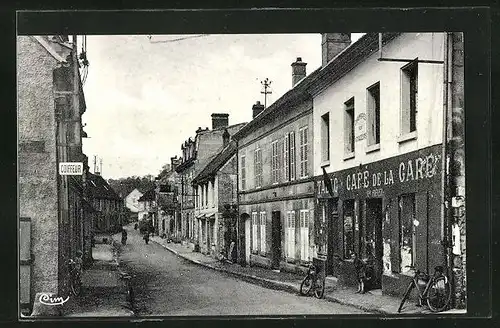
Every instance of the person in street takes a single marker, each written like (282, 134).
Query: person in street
(135, 226)
(360, 268)
(79, 262)
(124, 236)
(146, 237)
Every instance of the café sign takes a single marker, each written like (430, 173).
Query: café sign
(389, 172)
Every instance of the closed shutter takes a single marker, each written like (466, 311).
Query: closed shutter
(291, 234)
(394, 222)
(304, 235)
(263, 232)
(254, 232)
(421, 231)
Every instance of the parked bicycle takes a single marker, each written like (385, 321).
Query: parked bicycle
(436, 289)
(75, 277)
(130, 296)
(314, 282)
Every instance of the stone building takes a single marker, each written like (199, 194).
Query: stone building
(51, 210)
(381, 114)
(216, 204)
(167, 198)
(276, 186)
(195, 155)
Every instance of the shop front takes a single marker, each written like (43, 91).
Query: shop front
(389, 211)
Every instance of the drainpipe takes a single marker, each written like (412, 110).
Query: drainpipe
(444, 158)
(239, 247)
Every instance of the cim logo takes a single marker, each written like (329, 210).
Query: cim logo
(47, 299)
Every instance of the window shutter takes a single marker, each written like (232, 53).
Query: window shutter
(421, 231)
(395, 235)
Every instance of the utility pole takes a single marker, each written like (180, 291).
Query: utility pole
(267, 84)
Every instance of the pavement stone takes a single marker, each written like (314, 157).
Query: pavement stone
(372, 301)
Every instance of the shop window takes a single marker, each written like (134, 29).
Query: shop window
(304, 235)
(325, 137)
(409, 86)
(290, 234)
(255, 228)
(407, 231)
(373, 110)
(349, 126)
(348, 228)
(263, 232)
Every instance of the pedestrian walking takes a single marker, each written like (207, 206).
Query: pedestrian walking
(124, 236)
(146, 237)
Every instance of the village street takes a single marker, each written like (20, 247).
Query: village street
(168, 285)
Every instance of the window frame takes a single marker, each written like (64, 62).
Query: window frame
(373, 115)
(263, 224)
(325, 137)
(349, 133)
(408, 98)
(243, 174)
(303, 152)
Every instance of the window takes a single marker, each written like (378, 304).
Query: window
(213, 193)
(289, 157)
(290, 234)
(407, 231)
(292, 156)
(254, 232)
(349, 126)
(286, 157)
(325, 137)
(243, 173)
(206, 195)
(258, 168)
(304, 235)
(275, 162)
(262, 232)
(373, 110)
(409, 86)
(348, 229)
(303, 150)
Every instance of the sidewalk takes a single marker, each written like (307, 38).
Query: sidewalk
(103, 293)
(371, 302)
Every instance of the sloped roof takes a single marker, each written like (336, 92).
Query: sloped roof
(99, 188)
(346, 60)
(148, 195)
(216, 163)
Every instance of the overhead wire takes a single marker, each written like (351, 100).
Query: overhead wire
(177, 39)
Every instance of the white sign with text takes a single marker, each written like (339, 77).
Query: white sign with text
(71, 168)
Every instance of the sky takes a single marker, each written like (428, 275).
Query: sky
(146, 96)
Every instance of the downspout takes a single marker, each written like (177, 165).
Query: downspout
(238, 223)
(444, 156)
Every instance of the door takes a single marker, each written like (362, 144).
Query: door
(332, 216)
(247, 239)
(373, 237)
(276, 239)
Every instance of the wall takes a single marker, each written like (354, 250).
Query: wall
(37, 159)
(430, 102)
(131, 200)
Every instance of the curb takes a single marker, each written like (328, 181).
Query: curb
(292, 288)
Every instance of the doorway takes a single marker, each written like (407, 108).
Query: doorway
(276, 239)
(372, 237)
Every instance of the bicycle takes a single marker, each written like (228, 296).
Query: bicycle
(75, 275)
(314, 281)
(130, 296)
(437, 290)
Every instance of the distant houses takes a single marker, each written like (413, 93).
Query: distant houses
(132, 203)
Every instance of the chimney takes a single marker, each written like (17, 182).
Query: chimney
(257, 109)
(219, 120)
(174, 162)
(225, 137)
(332, 44)
(298, 71)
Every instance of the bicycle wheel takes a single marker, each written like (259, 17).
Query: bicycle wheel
(405, 296)
(319, 288)
(306, 285)
(439, 294)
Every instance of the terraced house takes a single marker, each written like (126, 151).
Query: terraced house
(276, 186)
(382, 111)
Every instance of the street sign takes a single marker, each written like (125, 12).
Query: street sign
(71, 168)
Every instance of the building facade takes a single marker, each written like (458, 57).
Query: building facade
(381, 114)
(195, 155)
(51, 207)
(167, 193)
(132, 200)
(216, 203)
(109, 208)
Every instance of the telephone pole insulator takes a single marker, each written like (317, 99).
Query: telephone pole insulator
(267, 84)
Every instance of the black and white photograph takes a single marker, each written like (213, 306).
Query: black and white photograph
(241, 174)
